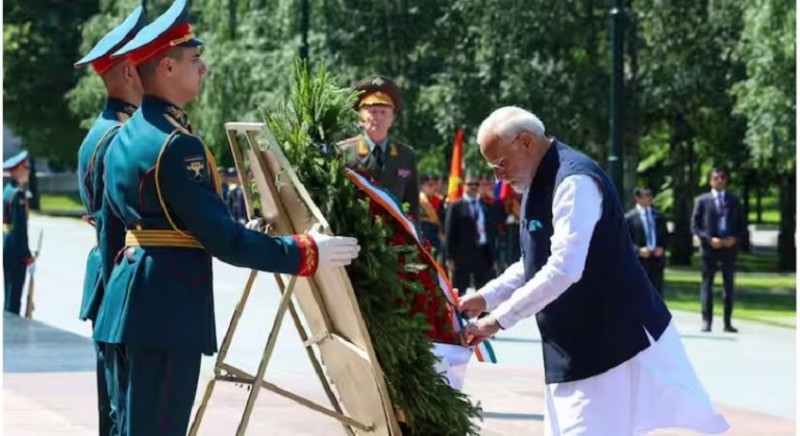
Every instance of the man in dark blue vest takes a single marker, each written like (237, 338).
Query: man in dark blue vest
(614, 362)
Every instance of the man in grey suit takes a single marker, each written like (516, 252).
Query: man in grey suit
(718, 222)
(392, 164)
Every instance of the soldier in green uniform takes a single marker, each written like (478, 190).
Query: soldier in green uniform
(431, 214)
(124, 92)
(163, 192)
(17, 256)
(392, 164)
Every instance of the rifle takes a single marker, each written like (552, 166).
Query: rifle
(29, 306)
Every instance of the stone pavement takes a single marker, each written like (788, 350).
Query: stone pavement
(49, 387)
(48, 390)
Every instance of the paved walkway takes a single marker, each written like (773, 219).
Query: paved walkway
(49, 386)
(48, 391)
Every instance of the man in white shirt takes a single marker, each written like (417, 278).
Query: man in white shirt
(614, 362)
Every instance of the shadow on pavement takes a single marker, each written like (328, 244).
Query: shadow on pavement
(708, 337)
(513, 416)
(30, 346)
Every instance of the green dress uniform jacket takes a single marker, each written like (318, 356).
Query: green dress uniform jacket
(398, 173)
(91, 161)
(16, 253)
(163, 194)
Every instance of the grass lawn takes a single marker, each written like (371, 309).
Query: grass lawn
(761, 296)
(772, 216)
(769, 207)
(758, 262)
(61, 202)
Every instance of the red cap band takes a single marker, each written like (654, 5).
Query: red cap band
(171, 38)
(105, 63)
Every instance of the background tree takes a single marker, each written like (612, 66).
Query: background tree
(766, 98)
(687, 65)
(40, 39)
(708, 82)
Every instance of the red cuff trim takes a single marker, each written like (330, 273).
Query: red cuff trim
(309, 255)
(28, 260)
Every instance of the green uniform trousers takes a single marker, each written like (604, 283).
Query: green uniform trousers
(14, 272)
(105, 425)
(152, 390)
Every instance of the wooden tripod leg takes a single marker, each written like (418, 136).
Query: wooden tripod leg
(223, 353)
(286, 298)
(313, 358)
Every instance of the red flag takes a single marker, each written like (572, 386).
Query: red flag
(505, 192)
(454, 186)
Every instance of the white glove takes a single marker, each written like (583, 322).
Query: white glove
(335, 251)
(257, 224)
(32, 268)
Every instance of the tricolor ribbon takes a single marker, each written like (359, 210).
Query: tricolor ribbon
(389, 203)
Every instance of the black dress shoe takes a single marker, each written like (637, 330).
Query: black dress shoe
(706, 328)
(730, 329)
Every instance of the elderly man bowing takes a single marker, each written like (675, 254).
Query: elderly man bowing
(614, 362)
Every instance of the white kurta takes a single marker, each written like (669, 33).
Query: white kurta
(657, 388)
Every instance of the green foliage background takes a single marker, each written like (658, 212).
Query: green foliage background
(707, 82)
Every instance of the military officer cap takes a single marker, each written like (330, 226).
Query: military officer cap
(170, 29)
(379, 90)
(18, 160)
(100, 55)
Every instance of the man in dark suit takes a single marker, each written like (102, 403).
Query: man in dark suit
(392, 164)
(469, 239)
(718, 222)
(648, 230)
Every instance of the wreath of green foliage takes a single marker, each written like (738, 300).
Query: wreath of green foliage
(317, 114)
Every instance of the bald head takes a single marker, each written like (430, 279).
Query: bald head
(513, 142)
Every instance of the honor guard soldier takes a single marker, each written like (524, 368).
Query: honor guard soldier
(17, 256)
(124, 92)
(392, 164)
(162, 187)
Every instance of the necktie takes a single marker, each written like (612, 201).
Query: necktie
(479, 225)
(377, 152)
(651, 234)
(723, 225)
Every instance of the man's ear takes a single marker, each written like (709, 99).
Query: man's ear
(527, 140)
(166, 65)
(130, 71)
